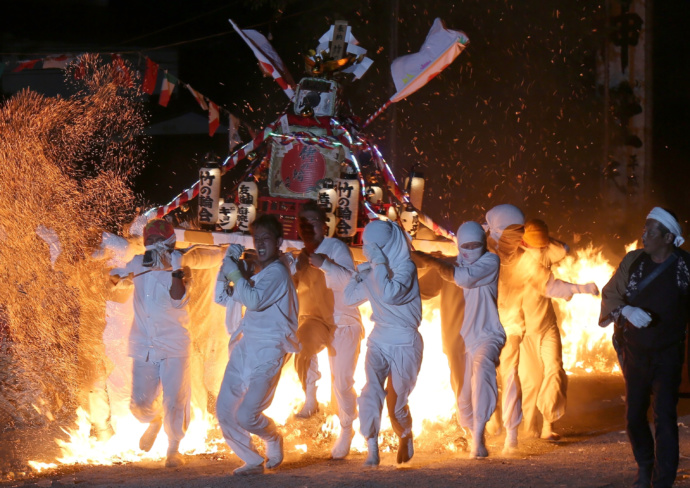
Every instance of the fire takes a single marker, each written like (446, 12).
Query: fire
(586, 347)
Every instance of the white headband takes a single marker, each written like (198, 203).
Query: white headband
(667, 220)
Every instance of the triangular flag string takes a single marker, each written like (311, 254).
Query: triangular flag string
(149, 81)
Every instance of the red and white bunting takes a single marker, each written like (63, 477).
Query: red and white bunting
(57, 62)
(150, 77)
(167, 87)
(213, 118)
(28, 64)
(201, 100)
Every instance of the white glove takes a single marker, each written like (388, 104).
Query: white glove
(362, 271)
(374, 254)
(176, 260)
(588, 288)
(228, 267)
(636, 316)
(234, 251)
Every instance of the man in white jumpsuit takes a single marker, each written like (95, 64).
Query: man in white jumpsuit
(544, 382)
(262, 343)
(480, 335)
(321, 272)
(524, 290)
(394, 347)
(159, 340)
(505, 224)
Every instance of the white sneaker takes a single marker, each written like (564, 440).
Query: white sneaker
(274, 451)
(248, 469)
(341, 448)
(373, 455)
(149, 437)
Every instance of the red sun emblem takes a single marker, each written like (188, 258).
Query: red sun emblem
(302, 167)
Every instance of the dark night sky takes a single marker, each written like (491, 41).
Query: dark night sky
(516, 118)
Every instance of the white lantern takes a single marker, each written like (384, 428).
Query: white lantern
(328, 197)
(209, 193)
(248, 192)
(392, 213)
(410, 220)
(246, 214)
(227, 215)
(331, 222)
(348, 204)
(414, 185)
(374, 194)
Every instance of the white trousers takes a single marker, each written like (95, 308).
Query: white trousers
(543, 379)
(399, 364)
(511, 389)
(172, 375)
(477, 398)
(248, 387)
(343, 353)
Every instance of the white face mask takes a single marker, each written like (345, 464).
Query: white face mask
(469, 256)
(158, 255)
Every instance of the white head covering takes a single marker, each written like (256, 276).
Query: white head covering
(390, 238)
(668, 221)
(470, 232)
(502, 216)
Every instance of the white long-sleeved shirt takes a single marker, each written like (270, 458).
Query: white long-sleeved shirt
(320, 290)
(160, 323)
(270, 299)
(479, 283)
(396, 304)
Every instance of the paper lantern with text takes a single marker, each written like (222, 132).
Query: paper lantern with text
(348, 204)
(328, 197)
(410, 220)
(246, 214)
(227, 215)
(414, 185)
(209, 192)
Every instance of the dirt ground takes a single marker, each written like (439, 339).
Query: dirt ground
(594, 452)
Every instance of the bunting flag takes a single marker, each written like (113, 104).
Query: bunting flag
(150, 77)
(120, 72)
(28, 64)
(269, 61)
(167, 87)
(57, 62)
(199, 97)
(233, 132)
(80, 70)
(413, 71)
(213, 118)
